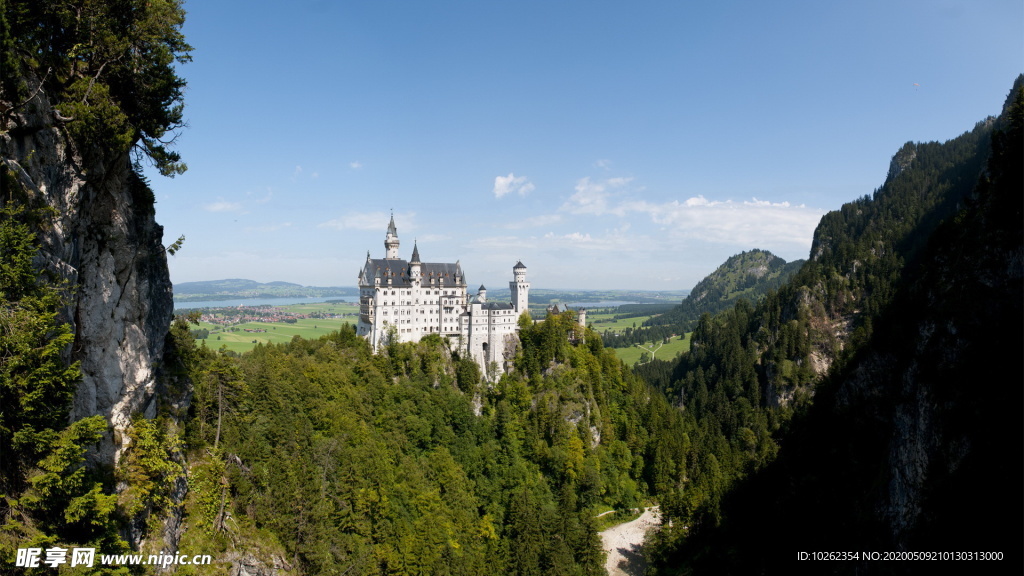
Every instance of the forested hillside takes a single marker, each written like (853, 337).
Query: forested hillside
(407, 462)
(897, 346)
(748, 275)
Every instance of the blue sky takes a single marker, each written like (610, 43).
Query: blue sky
(631, 145)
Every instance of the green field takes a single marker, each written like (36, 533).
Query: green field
(236, 339)
(662, 352)
(606, 321)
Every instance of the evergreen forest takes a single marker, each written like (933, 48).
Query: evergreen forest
(406, 462)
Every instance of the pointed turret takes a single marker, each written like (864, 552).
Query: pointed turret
(391, 240)
(414, 264)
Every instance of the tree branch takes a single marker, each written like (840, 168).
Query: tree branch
(92, 82)
(32, 96)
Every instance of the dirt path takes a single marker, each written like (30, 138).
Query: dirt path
(624, 544)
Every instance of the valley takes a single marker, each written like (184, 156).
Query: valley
(240, 328)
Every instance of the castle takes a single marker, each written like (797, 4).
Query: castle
(410, 300)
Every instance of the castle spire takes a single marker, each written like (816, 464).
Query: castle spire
(415, 253)
(391, 240)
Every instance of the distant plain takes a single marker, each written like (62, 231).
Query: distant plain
(334, 315)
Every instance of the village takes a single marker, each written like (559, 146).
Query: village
(245, 314)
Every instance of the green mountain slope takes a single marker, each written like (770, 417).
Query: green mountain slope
(905, 329)
(748, 275)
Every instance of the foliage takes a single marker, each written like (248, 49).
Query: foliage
(50, 497)
(106, 66)
(148, 468)
(65, 503)
(173, 247)
(36, 385)
(405, 462)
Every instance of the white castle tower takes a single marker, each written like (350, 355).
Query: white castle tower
(391, 241)
(520, 288)
(415, 272)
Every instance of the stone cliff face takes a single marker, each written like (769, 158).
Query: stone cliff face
(105, 242)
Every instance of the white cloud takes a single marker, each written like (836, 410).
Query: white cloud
(504, 185)
(575, 237)
(753, 224)
(615, 241)
(746, 224)
(370, 221)
(222, 205)
(592, 197)
(534, 222)
(491, 243)
(355, 165)
(604, 164)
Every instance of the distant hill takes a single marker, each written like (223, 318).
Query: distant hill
(229, 285)
(748, 275)
(242, 288)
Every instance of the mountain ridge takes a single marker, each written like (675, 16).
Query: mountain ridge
(749, 274)
(904, 329)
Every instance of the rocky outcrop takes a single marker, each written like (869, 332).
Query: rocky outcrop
(901, 160)
(247, 564)
(105, 242)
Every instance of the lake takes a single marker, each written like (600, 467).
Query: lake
(258, 302)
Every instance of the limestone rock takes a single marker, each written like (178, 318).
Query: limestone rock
(105, 242)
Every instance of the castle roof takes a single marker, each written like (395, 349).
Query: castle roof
(398, 272)
(519, 266)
